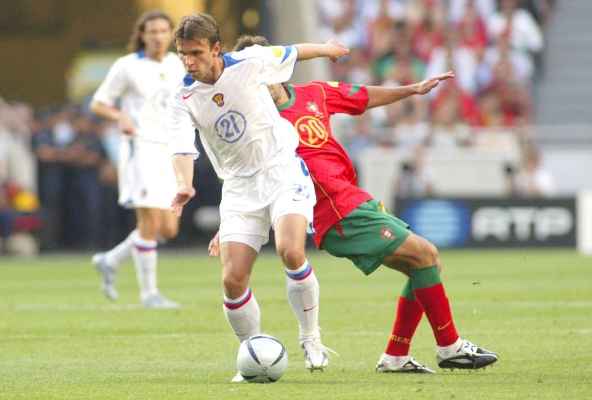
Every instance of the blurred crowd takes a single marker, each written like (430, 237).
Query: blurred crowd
(495, 47)
(58, 180)
(58, 175)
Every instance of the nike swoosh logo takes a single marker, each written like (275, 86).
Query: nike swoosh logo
(441, 328)
(309, 309)
(188, 96)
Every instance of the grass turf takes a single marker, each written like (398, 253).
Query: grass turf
(59, 339)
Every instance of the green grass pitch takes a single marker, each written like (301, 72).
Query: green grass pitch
(60, 339)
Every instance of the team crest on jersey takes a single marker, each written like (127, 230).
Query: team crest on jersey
(313, 107)
(218, 99)
(312, 131)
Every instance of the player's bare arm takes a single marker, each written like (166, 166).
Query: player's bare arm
(113, 114)
(380, 96)
(183, 165)
(331, 49)
(214, 246)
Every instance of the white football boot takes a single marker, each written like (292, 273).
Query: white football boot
(159, 301)
(403, 364)
(107, 273)
(316, 355)
(467, 356)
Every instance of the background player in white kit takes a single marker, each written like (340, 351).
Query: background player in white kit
(142, 81)
(253, 149)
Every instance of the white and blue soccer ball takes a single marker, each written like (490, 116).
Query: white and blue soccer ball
(262, 359)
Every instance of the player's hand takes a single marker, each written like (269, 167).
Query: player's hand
(181, 198)
(427, 85)
(214, 246)
(126, 125)
(335, 49)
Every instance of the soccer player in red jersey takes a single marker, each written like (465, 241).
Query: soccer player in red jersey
(349, 223)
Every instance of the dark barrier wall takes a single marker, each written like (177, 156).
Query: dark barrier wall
(494, 223)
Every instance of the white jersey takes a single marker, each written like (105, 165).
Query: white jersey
(144, 86)
(240, 128)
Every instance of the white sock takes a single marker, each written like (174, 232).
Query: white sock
(123, 250)
(450, 350)
(145, 258)
(243, 314)
(303, 295)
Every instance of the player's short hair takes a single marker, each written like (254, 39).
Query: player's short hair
(248, 40)
(198, 26)
(136, 43)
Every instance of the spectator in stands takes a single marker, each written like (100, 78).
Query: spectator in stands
(472, 29)
(361, 138)
(414, 178)
(427, 25)
(534, 180)
(400, 58)
(455, 56)
(448, 128)
(49, 144)
(506, 101)
(84, 156)
(458, 8)
(341, 21)
(519, 26)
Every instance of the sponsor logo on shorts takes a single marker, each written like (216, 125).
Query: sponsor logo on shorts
(387, 234)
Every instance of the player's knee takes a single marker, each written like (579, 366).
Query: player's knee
(235, 284)
(292, 256)
(431, 254)
(169, 231)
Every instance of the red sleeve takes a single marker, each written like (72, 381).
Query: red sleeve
(345, 98)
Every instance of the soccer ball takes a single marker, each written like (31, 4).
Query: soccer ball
(261, 359)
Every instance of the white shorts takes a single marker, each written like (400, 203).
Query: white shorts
(146, 175)
(245, 220)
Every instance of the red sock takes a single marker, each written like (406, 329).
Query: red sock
(437, 309)
(409, 313)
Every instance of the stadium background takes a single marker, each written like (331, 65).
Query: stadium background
(500, 161)
(511, 135)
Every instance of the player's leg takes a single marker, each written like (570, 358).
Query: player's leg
(238, 253)
(240, 306)
(169, 225)
(366, 236)
(145, 254)
(107, 263)
(291, 213)
(302, 287)
(241, 236)
(427, 287)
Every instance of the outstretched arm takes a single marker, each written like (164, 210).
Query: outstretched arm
(114, 114)
(332, 49)
(380, 96)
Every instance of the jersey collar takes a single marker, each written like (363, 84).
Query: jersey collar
(291, 101)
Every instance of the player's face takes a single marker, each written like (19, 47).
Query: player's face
(199, 58)
(157, 36)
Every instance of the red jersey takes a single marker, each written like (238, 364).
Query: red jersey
(309, 109)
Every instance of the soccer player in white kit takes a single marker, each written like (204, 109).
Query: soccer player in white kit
(142, 81)
(252, 149)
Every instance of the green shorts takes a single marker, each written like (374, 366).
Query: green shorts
(366, 236)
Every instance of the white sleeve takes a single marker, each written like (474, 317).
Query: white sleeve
(277, 61)
(113, 86)
(181, 128)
